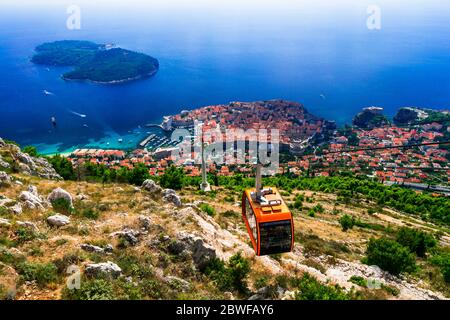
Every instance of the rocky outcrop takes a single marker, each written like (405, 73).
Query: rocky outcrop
(202, 253)
(105, 269)
(58, 220)
(144, 222)
(4, 164)
(32, 200)
(60, 193)
(369, 118)
(5, 222)
(408, 115)
(16, 209)
(405, 116)
(27, 224)
(151, 186)
(171, 196)
(268, 292)
(178, 283)
(27, 164)
(91, 248)
(5, 179)
(128, 235)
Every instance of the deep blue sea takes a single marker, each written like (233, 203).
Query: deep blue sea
(319, 53)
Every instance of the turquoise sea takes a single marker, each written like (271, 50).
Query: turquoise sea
(319, 53)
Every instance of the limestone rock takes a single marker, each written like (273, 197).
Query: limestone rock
(171, 196)
(145, 222)
(92, 248)
(178, 283)
(58, 220)
(202, 253)
(150, 186)
(4, 164)
(32, 200)
(129, 235)
(5, 179)
(60, 193)
(16, 209)
(108, 269)
(5, 222)
(27, 224)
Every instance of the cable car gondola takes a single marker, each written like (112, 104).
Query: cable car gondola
(268, 219)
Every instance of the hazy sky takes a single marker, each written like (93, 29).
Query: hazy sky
(404, 5)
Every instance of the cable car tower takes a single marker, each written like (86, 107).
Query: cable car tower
(204, 186)
(268, 219)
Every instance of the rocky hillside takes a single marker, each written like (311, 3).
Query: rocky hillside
(128, 242)
(12, 159)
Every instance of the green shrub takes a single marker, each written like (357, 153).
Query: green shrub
(90, 214)
(62, 205)
(360, 281)
(98, 289)
(391, 290)
(298, 204)
(319, 208)
(417, 241)
(232, 276)
(261, 282)
(230, 214)
(442, 260)
(311, 213)
(390, 256)
(172, 178)
(347, 222)
(210, 211)
(63, 167)
(308, 288)
(25, 234)
(32, 151)
(42, 273)
(67, 260)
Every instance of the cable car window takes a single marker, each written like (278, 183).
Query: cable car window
(251, 219)
(275, 237)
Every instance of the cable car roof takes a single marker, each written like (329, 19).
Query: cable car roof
(271, 208)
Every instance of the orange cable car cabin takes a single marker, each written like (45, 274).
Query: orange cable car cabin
(268, 219)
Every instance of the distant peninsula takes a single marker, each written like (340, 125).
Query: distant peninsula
(96, 62)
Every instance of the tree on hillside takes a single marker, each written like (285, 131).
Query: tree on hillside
(63, 167)
(172, 178)
(390, 256)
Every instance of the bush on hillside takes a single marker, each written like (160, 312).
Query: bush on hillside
(390, 256)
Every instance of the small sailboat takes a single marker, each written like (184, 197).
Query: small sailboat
(48, 93)
(53, 119)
